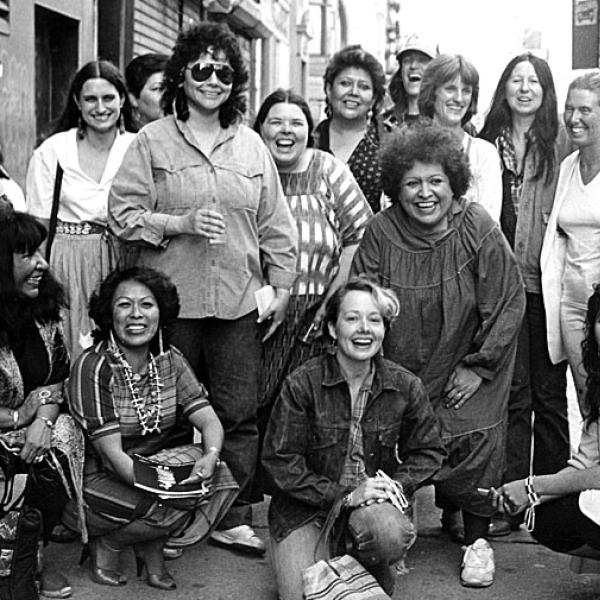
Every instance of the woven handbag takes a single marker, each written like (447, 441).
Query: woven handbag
(340, 578)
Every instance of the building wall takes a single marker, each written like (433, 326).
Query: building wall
(18, 74)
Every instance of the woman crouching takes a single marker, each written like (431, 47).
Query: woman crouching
(340, 419)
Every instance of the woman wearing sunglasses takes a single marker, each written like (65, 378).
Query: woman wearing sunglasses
(200, 194)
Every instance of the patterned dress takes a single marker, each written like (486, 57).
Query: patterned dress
(330, 213)
(363, 162)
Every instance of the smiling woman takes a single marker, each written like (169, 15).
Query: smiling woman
(461, 305)
(86, 149)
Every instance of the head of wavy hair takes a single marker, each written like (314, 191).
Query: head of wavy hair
(357, 58)
(590, 352)
(384, 299)
(205, 38)
(442, 69)
(427, 143)
(95, 69)
(281, 96)
(20, 233)
(163, 290)
(545, 123)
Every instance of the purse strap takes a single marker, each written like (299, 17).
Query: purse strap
(54, 211)
(332, 517)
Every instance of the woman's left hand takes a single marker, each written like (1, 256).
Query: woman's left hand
(462, 384)
(204, 468)
(276, 312)
(37, 441)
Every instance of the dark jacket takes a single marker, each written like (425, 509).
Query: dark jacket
(307, 438)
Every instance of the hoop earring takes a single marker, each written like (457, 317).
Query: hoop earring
(80, 127)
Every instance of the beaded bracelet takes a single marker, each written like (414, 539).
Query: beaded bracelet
(534, 500)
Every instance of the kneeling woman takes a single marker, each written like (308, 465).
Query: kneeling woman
(567, 519)
(338, 420)
(126, 392)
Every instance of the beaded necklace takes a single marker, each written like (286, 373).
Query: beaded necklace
(149, 410)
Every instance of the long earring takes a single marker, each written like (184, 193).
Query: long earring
(369, 115)
(121, 124)
(161, 348)
(80, 127)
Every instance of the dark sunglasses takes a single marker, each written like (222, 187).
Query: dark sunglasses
(202, 71)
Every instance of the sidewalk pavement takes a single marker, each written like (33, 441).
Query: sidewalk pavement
(524, 570)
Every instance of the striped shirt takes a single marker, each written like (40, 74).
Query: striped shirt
(100, 399)
(330, 213)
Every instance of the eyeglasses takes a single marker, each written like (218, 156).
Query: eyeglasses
(202, 71)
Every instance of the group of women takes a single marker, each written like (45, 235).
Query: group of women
(229, 214)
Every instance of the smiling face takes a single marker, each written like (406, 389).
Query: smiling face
(524, 93)
(452, 100)
(100, 104)
(359, 329)
(207, 96)
(351, 94)
(28, 270)
(412, 65)
(582, 117)
(426, 197)
(148, 104)
(135, 315)
(285, 133)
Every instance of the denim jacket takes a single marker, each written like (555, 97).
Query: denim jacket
(307, 438)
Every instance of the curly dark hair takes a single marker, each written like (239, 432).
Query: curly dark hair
(22, 233)
(190, 44)
(355, 56)
(96, 69)
(590, 352)
(163, 290)
(442, 69)
(545, 122)
(427, 143)
(287, 97)
(385, 300)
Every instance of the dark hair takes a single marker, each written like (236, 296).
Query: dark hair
(439, 71)
(545, 123)
(163, 290)
(141, 68)
(385, 300)
(590, 353)
(427, 143)
(356, 57)
(96, 69)
(280, 96)
(22, 233)
(190, 44)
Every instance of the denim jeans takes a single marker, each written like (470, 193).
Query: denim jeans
(562, 527)
(541, 387)
(225, 356)
(381, 535)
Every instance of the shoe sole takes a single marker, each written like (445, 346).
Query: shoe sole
(237, 547)
(64, 593)
(476, 585)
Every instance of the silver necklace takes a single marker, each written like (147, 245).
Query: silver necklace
(148, 410)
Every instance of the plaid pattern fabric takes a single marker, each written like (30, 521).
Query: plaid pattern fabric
(354, 471)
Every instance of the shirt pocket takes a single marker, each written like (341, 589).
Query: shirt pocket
(179, 190)
(387, 449)
(324, 451)
(239, 187)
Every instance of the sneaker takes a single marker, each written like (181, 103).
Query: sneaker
(478, 565)
(242, 538)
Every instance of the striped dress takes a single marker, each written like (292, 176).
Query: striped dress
(330, 212)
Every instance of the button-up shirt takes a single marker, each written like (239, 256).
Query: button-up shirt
(165, 173)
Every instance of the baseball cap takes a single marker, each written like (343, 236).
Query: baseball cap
(418, 43)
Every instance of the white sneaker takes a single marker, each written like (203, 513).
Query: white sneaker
(242, 538)
(478, 565)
